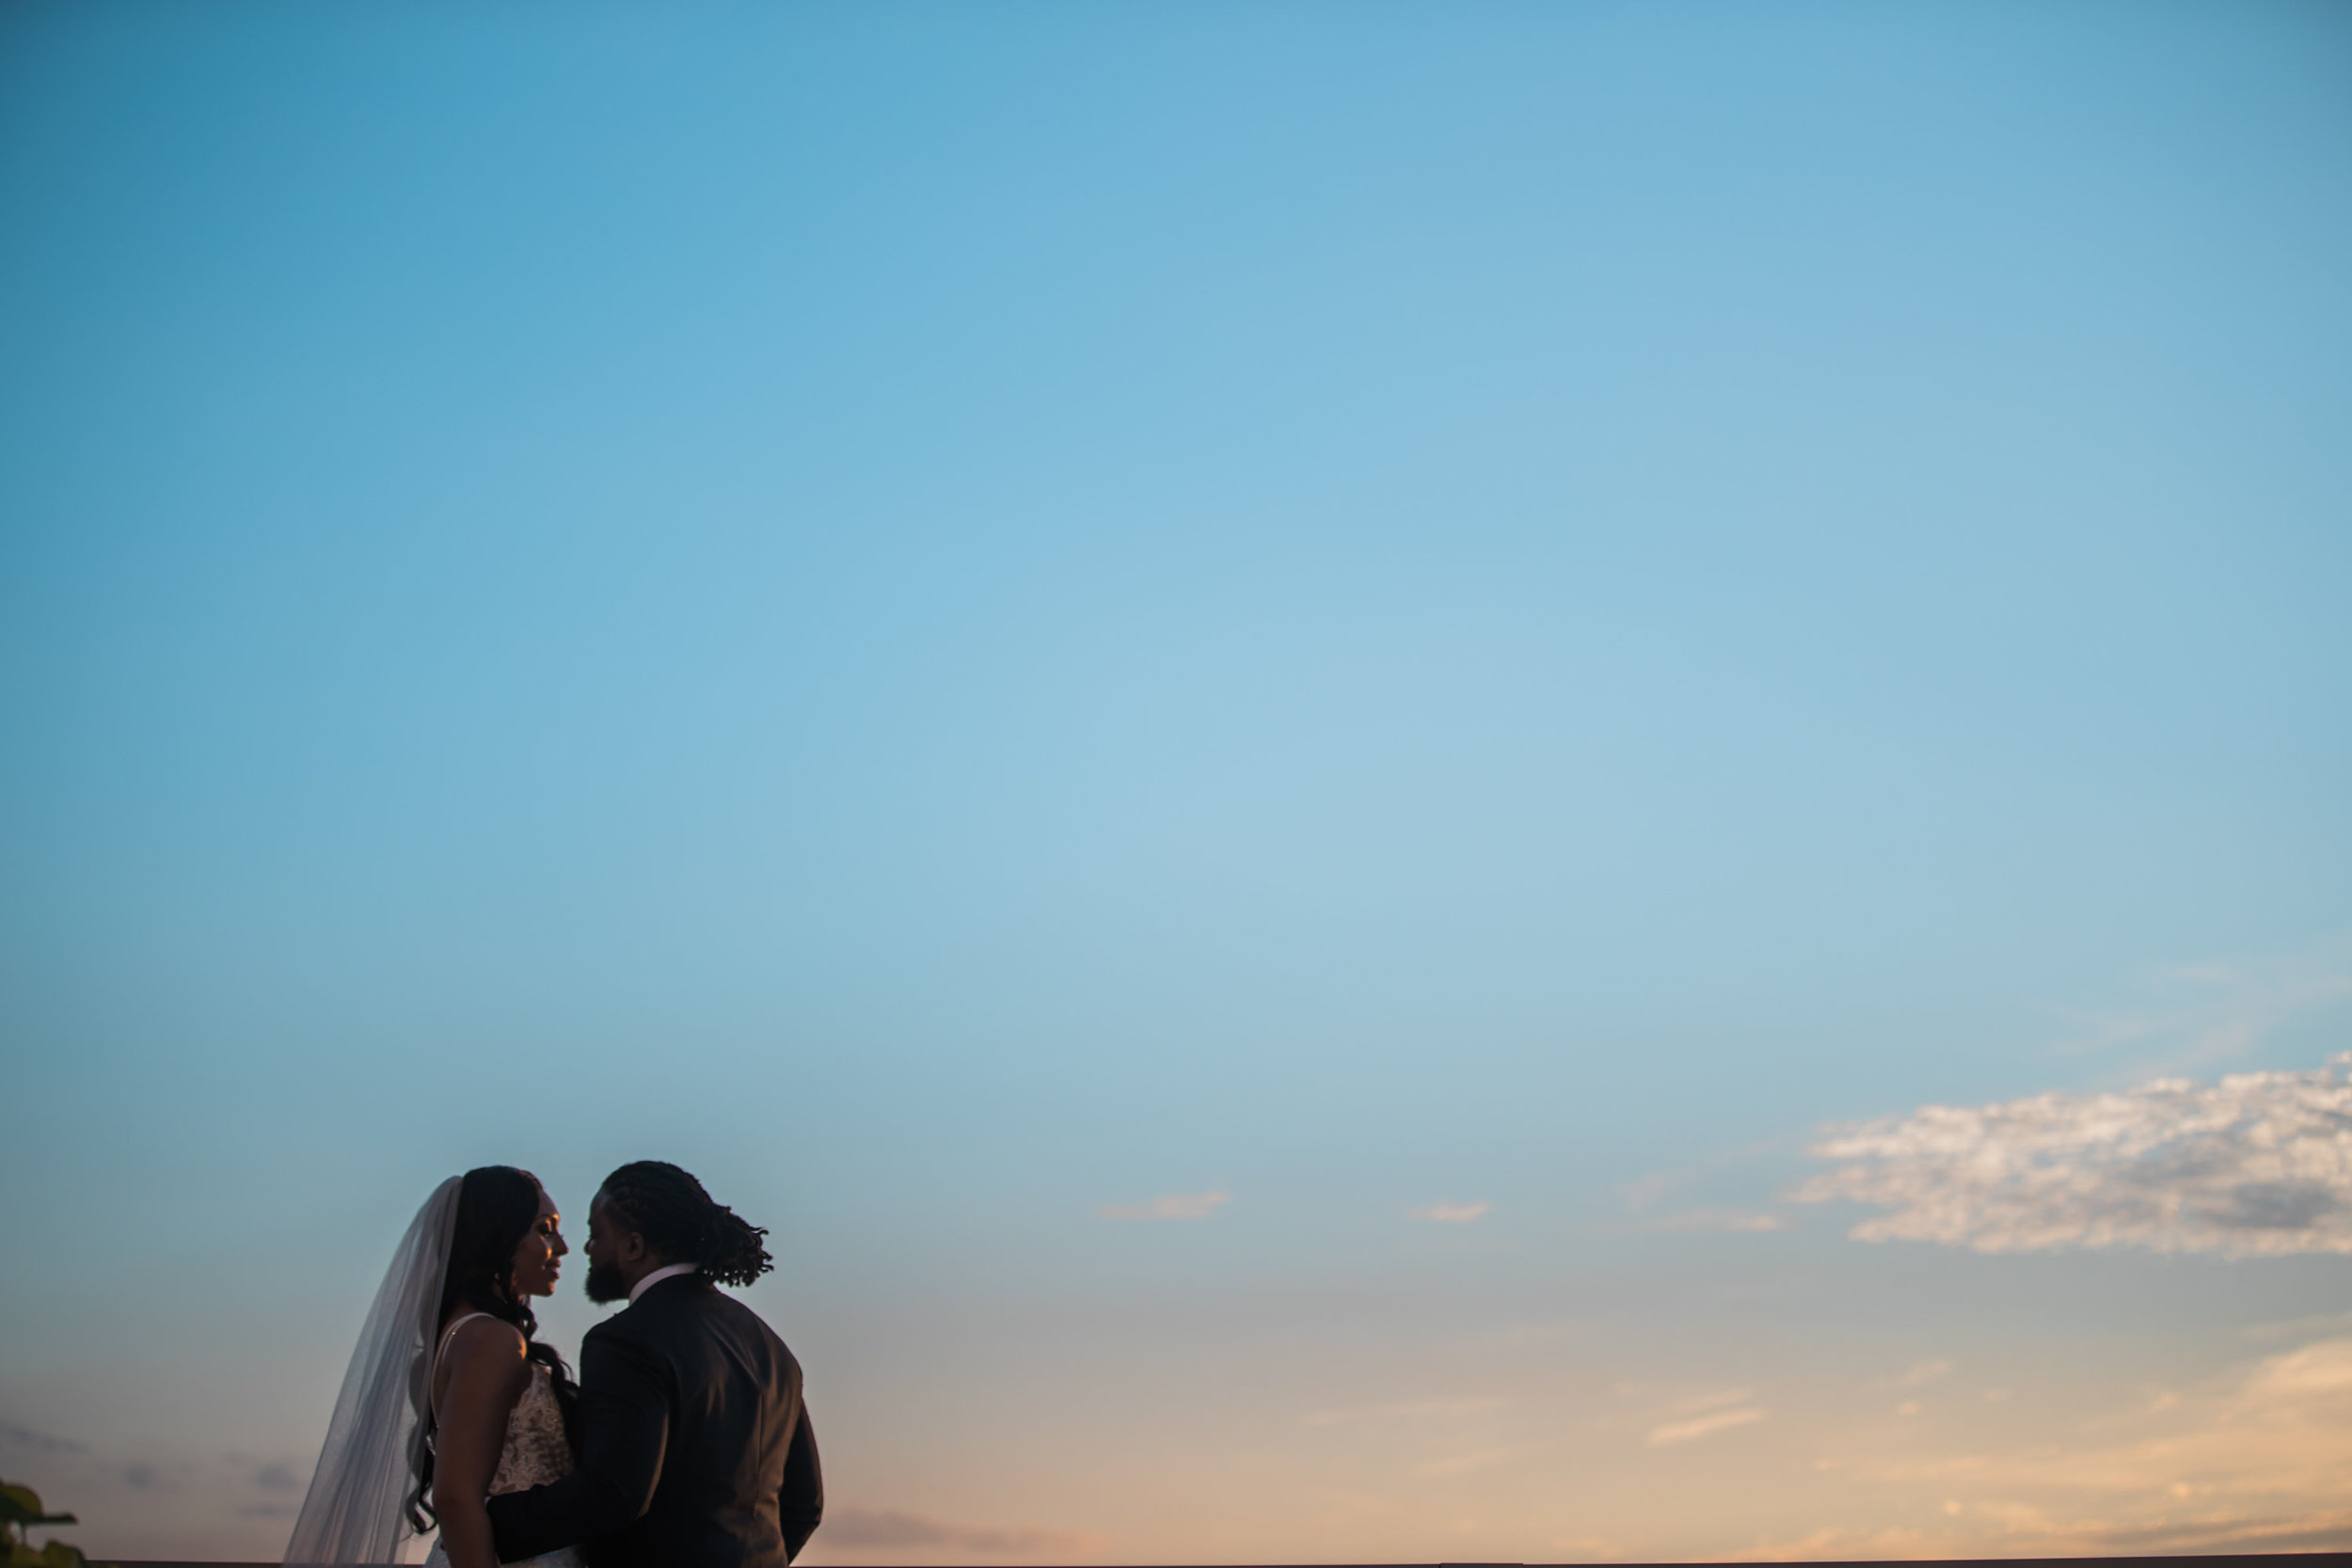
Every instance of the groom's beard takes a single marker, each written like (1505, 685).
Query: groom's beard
(605, 1283)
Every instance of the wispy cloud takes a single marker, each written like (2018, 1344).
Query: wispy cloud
(1705, 1426)
(40, 1442)
(1844, 1544)
(865, 1530)
(1466, 1463)
(1192, 1206)
(2257, 1458)
(1918, 1376)
(2014, 1530)
(1411, 1412)
(1650, 1190)
(1715, 1400)
(1736, 1220)
(2199, 1016)
(2258, 1164)
(2215, 1531)
(157, 1500)
(1452, 1213)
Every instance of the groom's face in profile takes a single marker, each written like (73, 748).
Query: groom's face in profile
(618, 1255)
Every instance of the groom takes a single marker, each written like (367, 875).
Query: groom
(694, 1449)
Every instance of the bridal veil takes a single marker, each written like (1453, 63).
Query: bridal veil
(354, 1512)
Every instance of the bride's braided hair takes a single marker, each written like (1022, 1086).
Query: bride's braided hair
(685, 1224)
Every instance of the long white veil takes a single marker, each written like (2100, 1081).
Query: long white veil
(354, 1509)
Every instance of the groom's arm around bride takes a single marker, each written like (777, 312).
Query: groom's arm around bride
(695, 1450)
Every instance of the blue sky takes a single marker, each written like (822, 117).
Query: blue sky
(963, 617)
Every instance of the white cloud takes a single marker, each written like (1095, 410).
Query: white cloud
(1452, 1213)
(1703, 1426)
(2259, 1163)
(1192, 1206)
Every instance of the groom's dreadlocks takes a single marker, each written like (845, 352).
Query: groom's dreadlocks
(684, 1224)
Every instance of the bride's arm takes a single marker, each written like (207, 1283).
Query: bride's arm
(486, 1374)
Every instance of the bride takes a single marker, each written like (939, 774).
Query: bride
(450, 1401)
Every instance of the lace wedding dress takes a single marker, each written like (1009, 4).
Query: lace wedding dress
(535, 1452)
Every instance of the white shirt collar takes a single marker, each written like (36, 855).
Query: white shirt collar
(657, 1278)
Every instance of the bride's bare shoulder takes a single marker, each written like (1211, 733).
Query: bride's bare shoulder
(482, 1335)
(484, 1353)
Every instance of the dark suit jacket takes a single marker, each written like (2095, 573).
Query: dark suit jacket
(694, 1451)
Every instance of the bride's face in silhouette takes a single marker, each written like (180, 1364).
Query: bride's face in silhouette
(539, 1255)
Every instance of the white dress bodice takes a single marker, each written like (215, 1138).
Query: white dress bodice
(536, 1451)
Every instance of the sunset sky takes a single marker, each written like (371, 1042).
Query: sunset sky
(1407, 781)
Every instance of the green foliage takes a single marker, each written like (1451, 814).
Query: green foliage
(19, 1509)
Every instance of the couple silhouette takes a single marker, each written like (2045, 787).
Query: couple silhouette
(684, 1442)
